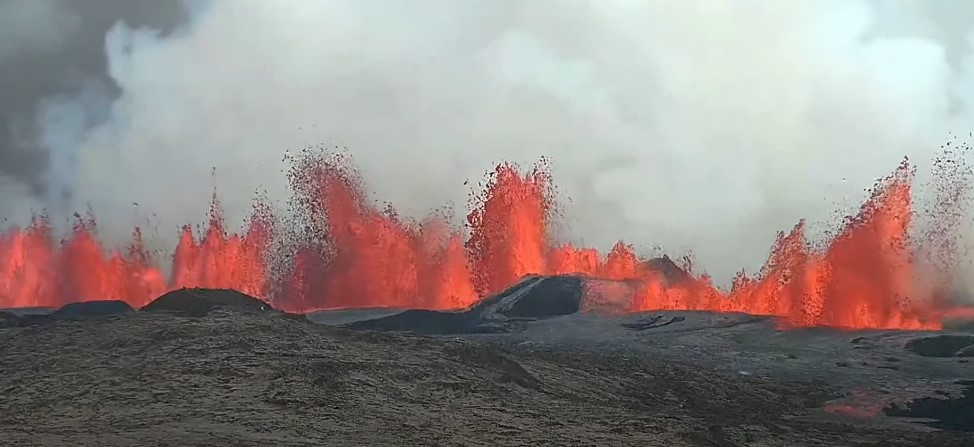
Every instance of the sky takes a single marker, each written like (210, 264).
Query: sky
(698, 125)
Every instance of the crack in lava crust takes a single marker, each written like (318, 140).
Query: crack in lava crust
(354, 254)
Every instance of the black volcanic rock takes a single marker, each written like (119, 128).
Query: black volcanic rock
(9, 319)
(534, 297)
(32, 320)
(199, 302)
(261, 378)
(652, 322)
(940, 345)
(552, 297)
(948, 414)
(966, 352)
(673, 273)
(22, 311)
(92, 309)
(33, 317)
(429, 322)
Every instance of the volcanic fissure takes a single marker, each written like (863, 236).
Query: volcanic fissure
(354, 254)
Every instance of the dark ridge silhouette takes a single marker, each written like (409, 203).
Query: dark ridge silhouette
(69, 312)
(199, 302)
(673, 273)
(21, 311)
(92, 309)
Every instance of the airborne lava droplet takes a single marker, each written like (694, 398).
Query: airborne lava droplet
(344, 251)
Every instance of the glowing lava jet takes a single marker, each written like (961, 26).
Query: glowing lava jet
(353, 254)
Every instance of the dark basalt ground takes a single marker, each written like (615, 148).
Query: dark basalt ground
(946, 413)
(941, 345)
(211, 367)
(9, 319)
(242, 378)
(901, 374)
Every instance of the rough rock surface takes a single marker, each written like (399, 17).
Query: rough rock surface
(9, 319)
(242, 378)
(952, 413)
(93, 309)
(534, 297)
(72, 311)
(944, 345)
(897, 373)
(199, 302)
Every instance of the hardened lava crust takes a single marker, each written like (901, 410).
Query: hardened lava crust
(216, 367)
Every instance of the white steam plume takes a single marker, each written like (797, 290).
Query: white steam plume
(706, 124)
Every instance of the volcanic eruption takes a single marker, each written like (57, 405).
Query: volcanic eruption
(343, 251)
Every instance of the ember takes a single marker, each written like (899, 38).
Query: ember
(357, 255)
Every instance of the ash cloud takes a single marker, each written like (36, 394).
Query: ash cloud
(53, 69)
(689, 125)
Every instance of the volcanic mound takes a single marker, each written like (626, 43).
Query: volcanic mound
(534, 297)
(198, 302)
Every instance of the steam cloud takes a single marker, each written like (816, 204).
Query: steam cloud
(53, 69)
(703, 125)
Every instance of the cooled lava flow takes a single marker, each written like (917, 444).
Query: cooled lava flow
(349, 253)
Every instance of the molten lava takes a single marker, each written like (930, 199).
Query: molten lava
(346, 252)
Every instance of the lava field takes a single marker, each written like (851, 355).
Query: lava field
(528, 366)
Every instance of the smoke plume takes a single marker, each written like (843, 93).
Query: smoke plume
(53, 69)
(700, 125)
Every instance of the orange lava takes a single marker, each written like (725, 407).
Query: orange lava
(340, 250)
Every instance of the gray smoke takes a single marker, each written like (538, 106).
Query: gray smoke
(698, 125)
(53, 69)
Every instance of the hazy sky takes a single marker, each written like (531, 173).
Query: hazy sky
(694, 124)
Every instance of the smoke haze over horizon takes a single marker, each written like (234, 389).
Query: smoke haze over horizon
(699, 125)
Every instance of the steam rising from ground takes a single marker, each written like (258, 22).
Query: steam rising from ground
(703, 125)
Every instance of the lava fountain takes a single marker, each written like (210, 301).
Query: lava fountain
(347, 252)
